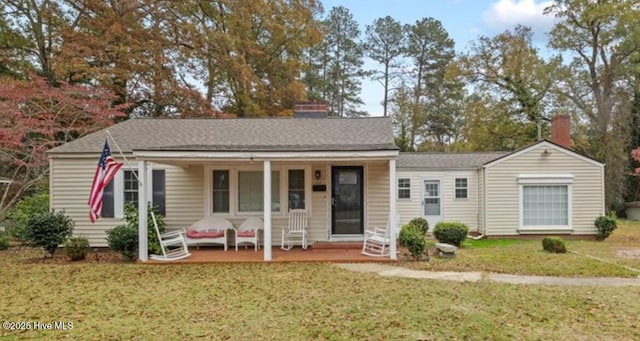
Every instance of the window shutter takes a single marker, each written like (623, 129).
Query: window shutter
(158, 187)
(108, 201)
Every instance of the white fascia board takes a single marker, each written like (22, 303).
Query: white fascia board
(545, 144)
(259, 156)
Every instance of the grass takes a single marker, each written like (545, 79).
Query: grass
(297, 301)
(309, 301)
(526, 257)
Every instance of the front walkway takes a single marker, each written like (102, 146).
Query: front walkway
(396, 271)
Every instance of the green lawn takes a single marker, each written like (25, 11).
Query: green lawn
(518, 256)
(319, 301)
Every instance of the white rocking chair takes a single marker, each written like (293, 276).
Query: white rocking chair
(173, 244)
(377, 241)
(296, 231)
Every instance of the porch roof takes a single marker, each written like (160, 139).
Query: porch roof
(242, 135)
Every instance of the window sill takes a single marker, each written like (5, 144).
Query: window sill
(546, 230)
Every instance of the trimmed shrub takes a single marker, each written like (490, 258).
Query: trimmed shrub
(20, 213)
(420, 223)
(77, 248)
(124, 239)
(605, 226)
(554, 245)
(412, 238)
(450, 232)
(48, 230)
(405, 234)
(4, 241)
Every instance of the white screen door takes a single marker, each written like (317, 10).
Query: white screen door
(432, 202)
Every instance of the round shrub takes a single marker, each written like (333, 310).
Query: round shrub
(76, 248)
(20, 213)
(412, 238)
(450, 232)
(48, 230)
(420, 223)
(123, 239)
(605, 226)
(554, 245)
(405, 234)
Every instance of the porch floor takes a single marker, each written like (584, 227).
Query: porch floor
(297, 254)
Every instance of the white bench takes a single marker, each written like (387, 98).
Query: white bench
(209, 230)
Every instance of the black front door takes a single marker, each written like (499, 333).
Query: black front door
(347, 213)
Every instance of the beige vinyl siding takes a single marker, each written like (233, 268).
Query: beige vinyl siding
(412, 207)
(71, 182)
(70, 186)
(319, 223)
(376, 194)
(503, 202)
(462, 210)
(184, 190)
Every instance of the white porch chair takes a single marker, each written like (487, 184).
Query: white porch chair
(296, 232)
(209, 230)
(377, 240)
(172, 243)
(248, 232)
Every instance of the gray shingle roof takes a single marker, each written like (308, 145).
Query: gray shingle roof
(446, 160)
(248, 134)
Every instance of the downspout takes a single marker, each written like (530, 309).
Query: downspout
(484, 200)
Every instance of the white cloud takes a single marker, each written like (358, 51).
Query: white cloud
(506, 14)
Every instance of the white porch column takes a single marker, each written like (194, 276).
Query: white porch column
(142, 211)
(267, 210)
(392, 208)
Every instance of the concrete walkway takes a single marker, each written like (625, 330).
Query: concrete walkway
(396, 271)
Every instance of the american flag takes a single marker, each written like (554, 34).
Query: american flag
(107, 169)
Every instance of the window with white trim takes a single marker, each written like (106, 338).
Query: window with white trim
(239, 191)
(461, 188)
(130, 187)
(296, 188)
(221, 187)
(545, 201)
(126, 184)
(404, 188)
(545, 205)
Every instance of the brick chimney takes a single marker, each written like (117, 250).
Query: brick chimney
(561, 130)
(310, 110)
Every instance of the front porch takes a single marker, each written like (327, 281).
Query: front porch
(342, 194)
(347, 253)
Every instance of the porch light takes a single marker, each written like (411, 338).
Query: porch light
(318, 174)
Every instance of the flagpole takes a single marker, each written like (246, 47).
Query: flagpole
(109, 136)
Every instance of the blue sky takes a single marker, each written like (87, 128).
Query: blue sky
(464, 20)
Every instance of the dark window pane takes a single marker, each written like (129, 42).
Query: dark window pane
(296, 189)
(220, 191)
(159, 190)
(404, 188)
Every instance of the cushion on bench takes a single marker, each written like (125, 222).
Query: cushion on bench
(205, 234)
(246, 234)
